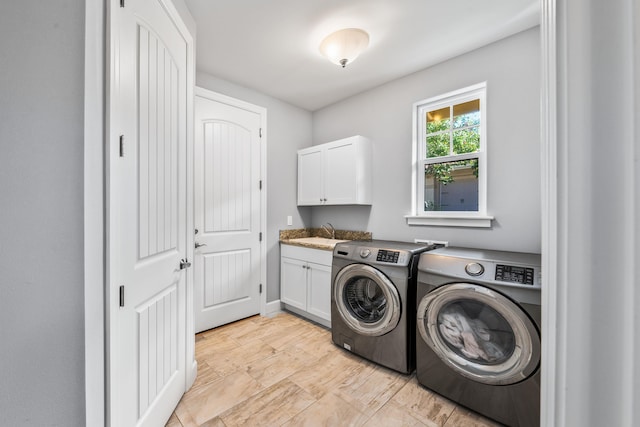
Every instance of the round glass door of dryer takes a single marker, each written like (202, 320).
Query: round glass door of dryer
(479, 333)
(367, 300)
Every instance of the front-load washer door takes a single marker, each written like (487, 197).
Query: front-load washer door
(479, 333)
(366, 299)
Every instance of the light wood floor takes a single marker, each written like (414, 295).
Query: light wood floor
(285, 371)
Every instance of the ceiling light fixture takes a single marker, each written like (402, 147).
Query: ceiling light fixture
(344, 46)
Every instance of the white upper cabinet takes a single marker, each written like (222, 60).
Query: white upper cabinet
(336, 173)
(310, 188)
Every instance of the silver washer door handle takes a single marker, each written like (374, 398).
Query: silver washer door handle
(197, 245)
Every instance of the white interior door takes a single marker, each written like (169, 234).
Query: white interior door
(227, 260)
(147, 214)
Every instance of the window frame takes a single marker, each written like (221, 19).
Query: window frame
(419, 216)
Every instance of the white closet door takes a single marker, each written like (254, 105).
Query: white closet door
(147, 214)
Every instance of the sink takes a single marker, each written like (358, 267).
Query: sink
(317, 242)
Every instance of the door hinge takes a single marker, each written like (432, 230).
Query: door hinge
(121, 145)
(260, 236)
(121, 3)
(260, 185)
(122, 296)
(260, 287)
(260, 133)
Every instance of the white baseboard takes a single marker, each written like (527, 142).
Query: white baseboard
(317, 319)
(191, 375)
(272, 308)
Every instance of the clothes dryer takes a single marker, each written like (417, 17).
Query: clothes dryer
(373, 300)
(478, 331)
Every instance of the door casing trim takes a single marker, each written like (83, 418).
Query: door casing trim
(94, 217)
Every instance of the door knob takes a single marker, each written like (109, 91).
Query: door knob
(197, 245)
(184, 263)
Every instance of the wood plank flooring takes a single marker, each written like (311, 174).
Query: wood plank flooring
(285, 371)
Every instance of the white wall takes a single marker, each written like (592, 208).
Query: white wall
(288, 129)
(384, 114)
(41, 213)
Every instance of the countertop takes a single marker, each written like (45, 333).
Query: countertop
(317, 238)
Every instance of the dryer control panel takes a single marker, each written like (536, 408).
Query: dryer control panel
(485, 266)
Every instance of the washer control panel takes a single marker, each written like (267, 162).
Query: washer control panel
(385, 255)
(514, 274)
(378, 256)
(390, 253)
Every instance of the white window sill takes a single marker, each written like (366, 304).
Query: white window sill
(451, 220)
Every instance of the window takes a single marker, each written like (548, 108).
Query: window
(450, 160)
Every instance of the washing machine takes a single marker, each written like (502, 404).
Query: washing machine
(478, 331)
(373, 285)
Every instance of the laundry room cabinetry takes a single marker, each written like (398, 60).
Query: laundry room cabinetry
(305, 282)
(336, 173)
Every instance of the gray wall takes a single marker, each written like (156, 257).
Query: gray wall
(185, 14)
(511, 68)
(41, 213)
(288, 129)
(384, 114)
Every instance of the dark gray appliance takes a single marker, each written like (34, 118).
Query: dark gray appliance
(373, 285)
(478, 331)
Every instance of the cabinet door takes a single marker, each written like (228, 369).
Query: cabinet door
(293, 282)
(340, 174)
(310, 188)
(319, 298)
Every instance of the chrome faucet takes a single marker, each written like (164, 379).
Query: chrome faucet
(329, 230)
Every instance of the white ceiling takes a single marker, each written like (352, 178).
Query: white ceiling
(272, 45)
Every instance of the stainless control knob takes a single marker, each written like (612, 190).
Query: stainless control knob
(474, 269)
(364, 253)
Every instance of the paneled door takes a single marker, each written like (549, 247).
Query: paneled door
(148, 196)
(228, 210)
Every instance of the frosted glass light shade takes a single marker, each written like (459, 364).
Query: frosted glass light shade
(343, 46)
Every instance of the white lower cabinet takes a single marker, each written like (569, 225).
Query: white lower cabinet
(305, 282)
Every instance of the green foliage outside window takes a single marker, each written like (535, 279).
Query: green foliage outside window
(442, 171)
(466, 139)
